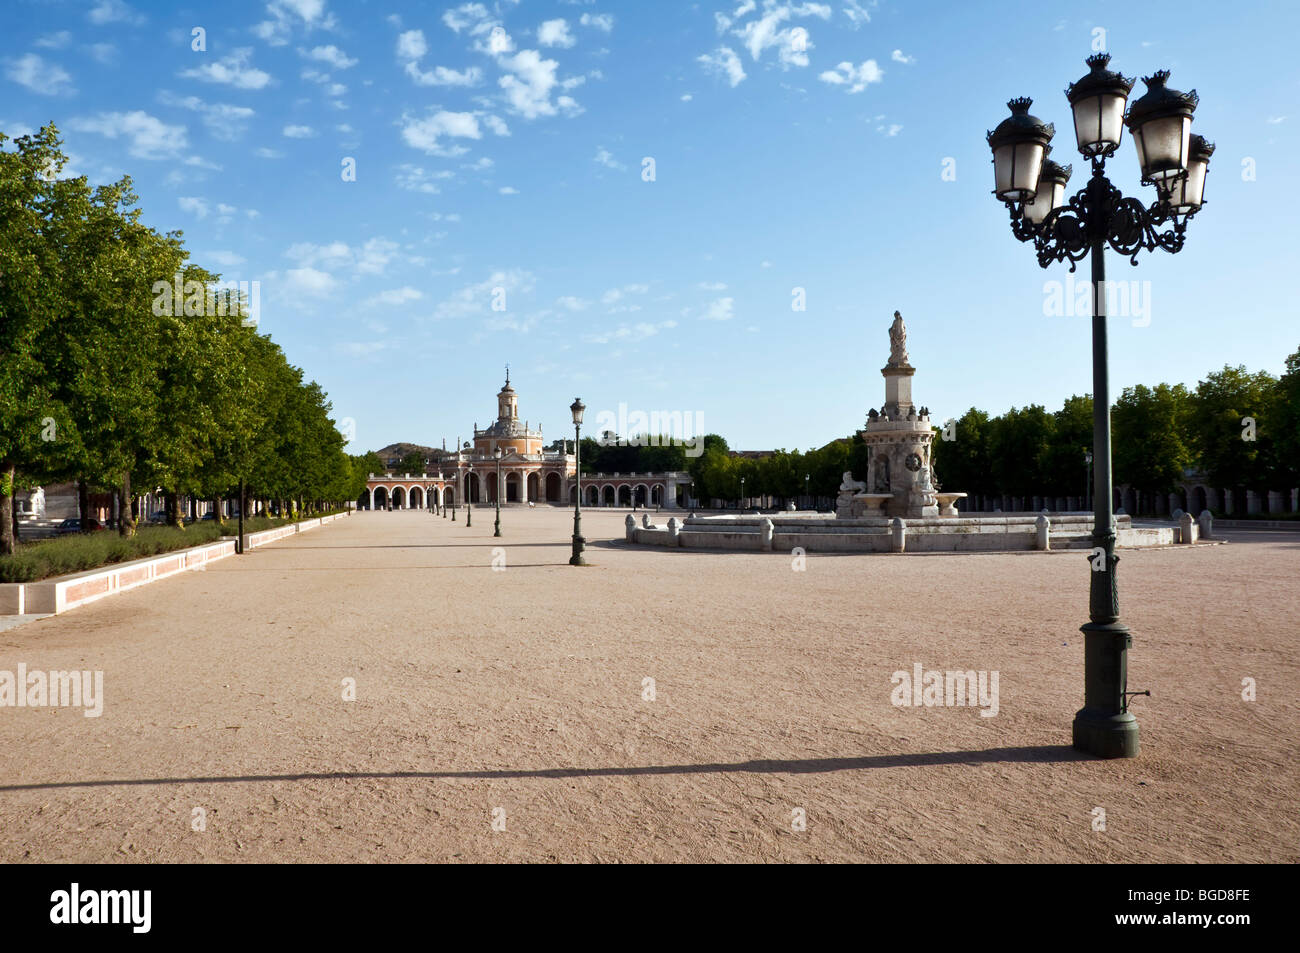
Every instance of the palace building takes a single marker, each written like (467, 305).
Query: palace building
(529, 474)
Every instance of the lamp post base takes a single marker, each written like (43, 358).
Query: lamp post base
(578, 545)
(1106, 736)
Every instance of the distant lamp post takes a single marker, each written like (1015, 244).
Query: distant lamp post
(691, 490)
(741, 504)
(1033, 188)
(469, 503)
(497, 453)
(579, 544)
(807, 488)
(1087, 486)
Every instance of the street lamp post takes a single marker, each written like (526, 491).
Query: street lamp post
(579, 544)
(1033, 188)
(469, 504)
(497, 453)
(740, 505)
(691, 490)
(807, 487)
(1087, 486)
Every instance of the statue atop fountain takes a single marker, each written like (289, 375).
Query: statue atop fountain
(900, 475)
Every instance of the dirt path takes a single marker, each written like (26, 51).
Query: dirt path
(523, 690)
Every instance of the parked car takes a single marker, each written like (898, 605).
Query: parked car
(73, 525)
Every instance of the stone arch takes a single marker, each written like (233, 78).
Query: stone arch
(416, 496)
(624, 494)
(593, 496)
(473, 492)
(448, 495)
(553, 484)
(381, 498)
(364, 501)
(1197, 501)
(533, 482)
(607, 495)
(491, 486)
(399, 497)
(512, 487)
(641, 494)
(657, 495)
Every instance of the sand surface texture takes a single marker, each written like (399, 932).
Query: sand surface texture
(520, 697)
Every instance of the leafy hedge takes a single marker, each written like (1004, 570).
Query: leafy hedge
(82, 552)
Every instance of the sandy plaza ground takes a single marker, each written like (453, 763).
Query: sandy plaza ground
(517, 698)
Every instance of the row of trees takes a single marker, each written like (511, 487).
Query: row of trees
(1239, 429)
(102, 384)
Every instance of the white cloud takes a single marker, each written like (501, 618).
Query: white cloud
(426, 134)
(264, 153)
(497, 125)
(856, 78)
(599, 21)
(603, 157)
(442, 76)
(724, 61)
(287, 14)
(415, 179)
(528, 83)
(477, 298)
(467, 16)
(299, 132)
(223, 121)
(719, 310)
(573, 303)
(149, 137)
(713, 285)
(234, 70)
(112, 11)
(899, 57)
(226, 259)
(105, 54)
(330, 54)
(856, 14)
(891, 130)
(309, 282)
(617, 294)
(30, 70)
(687, 97)
(411, 45)
(54, 41)
(372, 258)
(1275, 120)
(630, 333)
(555, 33)
(508, 190)
(396, 297)
(195, 206)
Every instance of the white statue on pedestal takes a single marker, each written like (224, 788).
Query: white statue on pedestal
(897, 342)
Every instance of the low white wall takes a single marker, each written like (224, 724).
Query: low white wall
(52, 596)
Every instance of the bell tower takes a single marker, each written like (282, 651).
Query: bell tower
(507, 402)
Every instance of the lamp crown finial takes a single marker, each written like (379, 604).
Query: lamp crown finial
(1098, 61)
(1156, 79)
(1020, 105)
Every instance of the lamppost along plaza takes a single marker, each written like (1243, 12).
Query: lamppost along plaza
(469, 504)
(497, 454)
(576, 408)
(1033, 188)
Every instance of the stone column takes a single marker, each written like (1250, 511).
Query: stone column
(1186, 529)
(1207, 524)
(1227, 501)
(1275, 501)
(1212, 501)
(1043, 528)
(767, 530)
(1253, 503)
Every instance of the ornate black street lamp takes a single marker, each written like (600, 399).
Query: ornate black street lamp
(740, 504)
(579, 544)
(1033, 188)
(497, 453)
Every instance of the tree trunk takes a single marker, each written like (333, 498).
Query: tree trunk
(216, 511)
(8, 530)
(83, 502)
(126, 521)
(174, 510)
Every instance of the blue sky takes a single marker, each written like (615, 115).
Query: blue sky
(795, 146)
